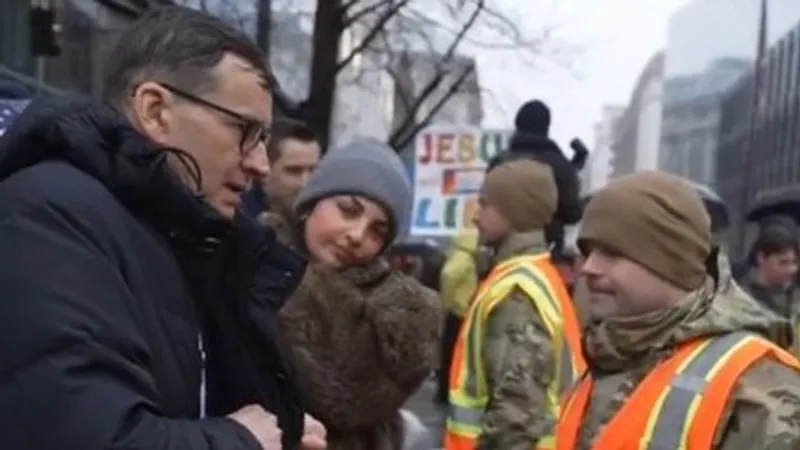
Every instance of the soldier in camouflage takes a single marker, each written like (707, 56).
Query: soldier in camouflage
(771, 281)
(517, 200)
(654, 284)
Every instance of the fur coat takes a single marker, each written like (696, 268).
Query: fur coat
(359, 343)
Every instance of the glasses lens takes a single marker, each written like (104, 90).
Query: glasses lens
(251, 136)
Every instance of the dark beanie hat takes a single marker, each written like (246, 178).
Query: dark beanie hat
(656, 219)
(533, 118)
(524, 192)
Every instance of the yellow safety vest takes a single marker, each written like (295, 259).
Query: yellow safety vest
(469, 393)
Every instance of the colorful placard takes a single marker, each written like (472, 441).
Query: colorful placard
(449, 164)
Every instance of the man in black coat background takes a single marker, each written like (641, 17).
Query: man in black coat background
(531, 139)
(138, 304)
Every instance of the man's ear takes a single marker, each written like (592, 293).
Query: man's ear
(149, 111)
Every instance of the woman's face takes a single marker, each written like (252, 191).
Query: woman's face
(346, 230)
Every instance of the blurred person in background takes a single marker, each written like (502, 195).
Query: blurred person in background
(359, 337)
(743, 267)
(293, 153)
(531, 140)
(772, 279)
(458, 282)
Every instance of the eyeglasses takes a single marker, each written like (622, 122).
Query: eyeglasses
(253, 131)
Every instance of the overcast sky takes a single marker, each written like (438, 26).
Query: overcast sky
(618, 37)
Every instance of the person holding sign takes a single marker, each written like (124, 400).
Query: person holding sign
(359, 337)
(519, 345)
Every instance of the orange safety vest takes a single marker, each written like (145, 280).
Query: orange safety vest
(680, 403)
(469, 394)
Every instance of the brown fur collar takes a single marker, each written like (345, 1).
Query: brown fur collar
(359, 343)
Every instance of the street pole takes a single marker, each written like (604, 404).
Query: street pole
(755, 115)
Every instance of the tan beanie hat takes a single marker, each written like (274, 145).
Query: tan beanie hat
(656, 219)
(524, 192)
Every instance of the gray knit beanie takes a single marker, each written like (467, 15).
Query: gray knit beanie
(365, 167)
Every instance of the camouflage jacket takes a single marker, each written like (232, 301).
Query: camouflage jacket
(764, 411)
(783, 302)
(519, 360)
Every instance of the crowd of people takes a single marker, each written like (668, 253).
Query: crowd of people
(184, 271)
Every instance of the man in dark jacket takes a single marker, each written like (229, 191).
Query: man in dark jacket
(137, 304)
(531, 140)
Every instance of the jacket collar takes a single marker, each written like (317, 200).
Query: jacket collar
(517, 244)
(100, 142)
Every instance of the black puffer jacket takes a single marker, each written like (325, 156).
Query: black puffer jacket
(544, 149)
(111, 270)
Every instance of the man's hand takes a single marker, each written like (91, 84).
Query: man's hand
(314, 435)
(261, 424)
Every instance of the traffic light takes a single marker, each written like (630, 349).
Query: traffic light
(44, 32)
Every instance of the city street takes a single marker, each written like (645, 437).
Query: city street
(432, 415)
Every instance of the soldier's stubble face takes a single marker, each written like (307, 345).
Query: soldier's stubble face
(492, 227)
(619, 287)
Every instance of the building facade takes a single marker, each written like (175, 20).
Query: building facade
(690, 120)
(700, 66)
(650, 91)
(759, 136)
(637, 135)
(599, 165)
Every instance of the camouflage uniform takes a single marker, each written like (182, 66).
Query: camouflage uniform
(764, 412)
(783, 302)
(519, 359)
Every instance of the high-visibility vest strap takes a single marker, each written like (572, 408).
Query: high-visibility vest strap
(572, 327)
(703, 431)
(680, 403)
(468, 391)
(453, 441)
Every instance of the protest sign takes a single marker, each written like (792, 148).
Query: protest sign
(449, 165)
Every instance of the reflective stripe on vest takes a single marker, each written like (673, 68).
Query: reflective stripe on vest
(469, 393)
(680, 403)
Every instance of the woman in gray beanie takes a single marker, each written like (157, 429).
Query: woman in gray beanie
(358, 337)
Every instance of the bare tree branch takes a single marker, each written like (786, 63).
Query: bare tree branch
(393, 38)
(347, 5)
(374, 31)
(355, 17)
(400, 138)
(441, 73)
